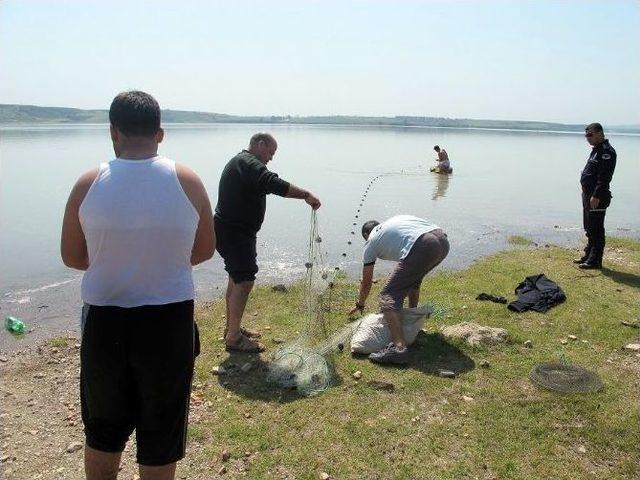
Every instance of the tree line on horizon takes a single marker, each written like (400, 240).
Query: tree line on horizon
(29, 114)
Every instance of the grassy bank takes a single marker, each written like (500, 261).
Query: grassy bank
(425, 428)
(484, 423)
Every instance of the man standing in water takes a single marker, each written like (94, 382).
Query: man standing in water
(596, 196)
(136, 225)
(244, 185)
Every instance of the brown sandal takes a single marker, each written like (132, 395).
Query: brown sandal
(245, 345)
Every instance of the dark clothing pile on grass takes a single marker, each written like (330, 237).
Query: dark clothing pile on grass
(537, 293)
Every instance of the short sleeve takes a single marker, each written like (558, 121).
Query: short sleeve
(370, 253)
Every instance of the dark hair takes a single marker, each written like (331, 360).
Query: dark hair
(596, 127)
(436, 148)
(267, 138)
(368, 226)
(135, 113)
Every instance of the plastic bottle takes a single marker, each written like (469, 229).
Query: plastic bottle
(14, 325)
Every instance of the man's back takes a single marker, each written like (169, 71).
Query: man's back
(443, 157)
(393, 239)
(242, 191)
(140, 227)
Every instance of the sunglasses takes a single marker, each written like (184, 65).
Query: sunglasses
(588, 135)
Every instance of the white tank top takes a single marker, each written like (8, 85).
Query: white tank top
(140, 226)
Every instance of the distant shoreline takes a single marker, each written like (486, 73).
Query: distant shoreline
(42, 124)
(14, 115)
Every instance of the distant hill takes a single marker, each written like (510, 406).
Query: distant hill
(33, 114)
(30, 114)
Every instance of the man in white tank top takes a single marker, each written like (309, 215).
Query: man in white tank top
(136, 225)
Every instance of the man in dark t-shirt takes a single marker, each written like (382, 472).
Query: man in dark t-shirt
(244, 186)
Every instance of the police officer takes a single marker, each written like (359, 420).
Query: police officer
(596, 195)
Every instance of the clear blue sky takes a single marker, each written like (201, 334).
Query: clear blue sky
(568, 61)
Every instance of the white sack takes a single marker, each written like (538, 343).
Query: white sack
(373, 333)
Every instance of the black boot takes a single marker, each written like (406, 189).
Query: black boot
(595, 258)
(590, 266)
(585, 257)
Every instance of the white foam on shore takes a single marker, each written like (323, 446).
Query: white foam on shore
(19, 301)
(42, 288)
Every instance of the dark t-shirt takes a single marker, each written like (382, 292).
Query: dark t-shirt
(244, 185)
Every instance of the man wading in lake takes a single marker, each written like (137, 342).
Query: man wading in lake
(443, 163)
(136, 225)
(596, 196)
(240, 211)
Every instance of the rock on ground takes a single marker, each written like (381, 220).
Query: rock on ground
(475, 334)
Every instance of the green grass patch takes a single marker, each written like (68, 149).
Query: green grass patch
(519, 240)
(425, 428)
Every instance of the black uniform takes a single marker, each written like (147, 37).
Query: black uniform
(244, 185)
(595, 180)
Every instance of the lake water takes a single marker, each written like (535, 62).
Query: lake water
(504, 183)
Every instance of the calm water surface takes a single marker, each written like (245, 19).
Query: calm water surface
(504, 183)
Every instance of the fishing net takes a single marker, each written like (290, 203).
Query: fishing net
(565, 378)
(305, 363)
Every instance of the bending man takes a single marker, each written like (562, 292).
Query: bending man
(418, 246)
(443, 163)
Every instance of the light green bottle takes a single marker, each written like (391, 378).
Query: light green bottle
(14, 325)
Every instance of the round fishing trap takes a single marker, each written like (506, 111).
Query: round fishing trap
(565, 378)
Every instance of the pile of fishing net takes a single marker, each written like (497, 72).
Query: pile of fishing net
(305, 363)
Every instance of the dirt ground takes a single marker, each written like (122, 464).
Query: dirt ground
(41, 429)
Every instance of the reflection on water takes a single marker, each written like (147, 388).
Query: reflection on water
(478, 208)
(441, 185)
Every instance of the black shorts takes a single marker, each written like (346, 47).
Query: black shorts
(238, 250)
(136, 370)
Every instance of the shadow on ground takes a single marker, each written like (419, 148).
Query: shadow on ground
(629, 279)
(254, 384)
(431, 353)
